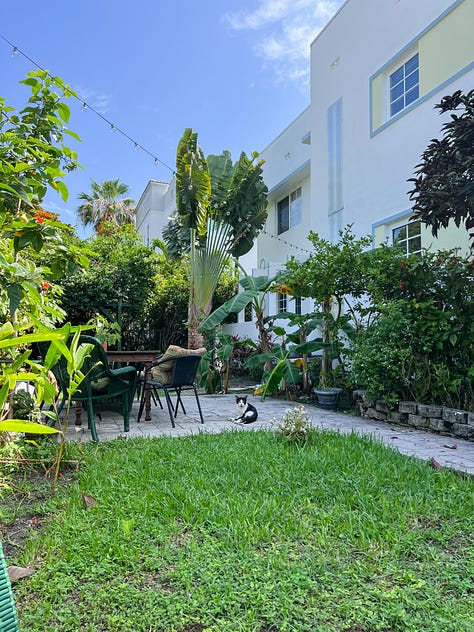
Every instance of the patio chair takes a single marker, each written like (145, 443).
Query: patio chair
(8, 615)
(103, 388)
(182, 376)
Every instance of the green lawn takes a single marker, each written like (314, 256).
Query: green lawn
(242, 531)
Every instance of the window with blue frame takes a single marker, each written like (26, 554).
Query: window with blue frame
(404, 85)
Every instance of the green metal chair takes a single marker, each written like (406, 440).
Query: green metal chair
(8, 615)
(103, 388)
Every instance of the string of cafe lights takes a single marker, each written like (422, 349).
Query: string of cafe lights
(113, 127)
(86, 106)
(287, 243)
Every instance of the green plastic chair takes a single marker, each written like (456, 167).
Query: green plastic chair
(102, 389)
(8, 615)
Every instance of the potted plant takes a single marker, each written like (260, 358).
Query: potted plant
(327, 392)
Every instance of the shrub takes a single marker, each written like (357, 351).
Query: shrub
(296, 426)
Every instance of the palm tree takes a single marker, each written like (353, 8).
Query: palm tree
(106, 204)
(224, 206)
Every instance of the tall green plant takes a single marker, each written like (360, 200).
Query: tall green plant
(255, 291)
(333, 275)
(223, 205)
(106, 203)
(33, 159)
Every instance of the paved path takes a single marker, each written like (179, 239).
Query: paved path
(217, 409)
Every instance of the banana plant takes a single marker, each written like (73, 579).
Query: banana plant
(255, 290)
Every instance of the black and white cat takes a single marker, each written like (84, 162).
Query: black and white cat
(247, 412)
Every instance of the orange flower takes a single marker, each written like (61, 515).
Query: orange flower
(42, 215)
(45, 286)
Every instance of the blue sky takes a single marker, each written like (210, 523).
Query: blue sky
(236, 71)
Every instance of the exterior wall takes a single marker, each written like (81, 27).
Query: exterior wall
(355, 160)
(286, 168)
(352, 60)
(447, 239)
(156, 204)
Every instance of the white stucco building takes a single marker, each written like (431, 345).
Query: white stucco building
(377, 71)
(155, 206)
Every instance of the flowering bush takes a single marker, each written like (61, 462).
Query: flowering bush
(296, 426)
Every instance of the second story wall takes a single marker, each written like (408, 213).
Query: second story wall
(377, 71)
(287, 174)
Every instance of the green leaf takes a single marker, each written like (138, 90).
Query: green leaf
(64, 111)
(225, 351)
(274, 379)
(15, 294)
(256, 284)
(73, 134)
(292, 372)
(278, 331)
(63, 190)
(233, 306)
(310, 347)
(28, 339)
(21, 425)
(6, 330)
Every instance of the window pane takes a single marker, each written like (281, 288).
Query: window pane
(396, 92)
(295, 212)
(396, 106)
(414, 244)
(411, 96)
(396, 77)
(298, 305)
(414, 229)
(404, 84)
(400, 233)
(282, 302)
(411, 80)
(283, 215)
(411, 65)
(296, 194)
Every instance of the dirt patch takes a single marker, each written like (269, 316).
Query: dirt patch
(22, 508)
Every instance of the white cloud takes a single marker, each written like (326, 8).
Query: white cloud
(99, 101)
(286, 30)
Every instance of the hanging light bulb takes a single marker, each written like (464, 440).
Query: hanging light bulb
(112, 127)
(84, 106)
(14, 52)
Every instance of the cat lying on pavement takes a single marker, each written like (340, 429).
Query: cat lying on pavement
(247, 412)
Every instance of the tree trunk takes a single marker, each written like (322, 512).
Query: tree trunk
(326, 364)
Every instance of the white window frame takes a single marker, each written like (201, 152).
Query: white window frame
(406, 240)
(282, 302)
(396, 67)
(294, 210)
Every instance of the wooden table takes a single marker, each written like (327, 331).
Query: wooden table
(142, 357)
